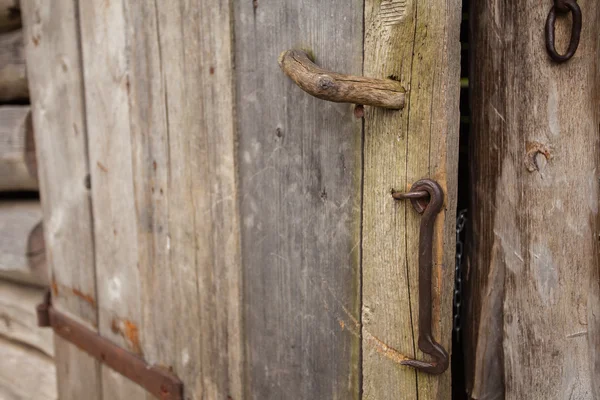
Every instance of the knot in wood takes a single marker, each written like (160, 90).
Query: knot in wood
(325, 82)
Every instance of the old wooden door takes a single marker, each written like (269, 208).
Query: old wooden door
(204, 213)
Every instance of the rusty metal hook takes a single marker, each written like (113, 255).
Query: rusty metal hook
(427, 198)
(563, 7)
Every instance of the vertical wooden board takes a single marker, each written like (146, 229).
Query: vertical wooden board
(70, 385)
(300, 173)
(533, 259)
(165, 185)
(107, 61)
(197, 66)
(417, 43)
(54, 71)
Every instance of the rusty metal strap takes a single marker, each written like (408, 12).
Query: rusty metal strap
(155, 380)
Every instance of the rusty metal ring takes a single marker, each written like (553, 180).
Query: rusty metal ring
(575, 10)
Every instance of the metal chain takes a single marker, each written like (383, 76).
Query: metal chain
(460, 226)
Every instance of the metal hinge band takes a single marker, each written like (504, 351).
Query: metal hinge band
(157, 381)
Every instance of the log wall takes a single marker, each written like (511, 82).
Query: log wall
(27, 368)
(13, 74)
(18, 168)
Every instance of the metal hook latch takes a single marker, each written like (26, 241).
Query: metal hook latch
(427, 198)
(563, 7)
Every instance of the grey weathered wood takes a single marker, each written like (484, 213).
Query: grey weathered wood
(340, 88)
(533, 317)
(18, 318)
(300, 195)
(54, 61)
(418, 42)
(161, 76)
(10, 15)
(22, 257)
(13, 74)
(25, 373)
(18, 169)
(119, 272)
(204, 231)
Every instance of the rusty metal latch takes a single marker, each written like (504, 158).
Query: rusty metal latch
(157, 381)
(427, 198)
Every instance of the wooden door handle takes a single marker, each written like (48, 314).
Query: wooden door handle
(340, 88)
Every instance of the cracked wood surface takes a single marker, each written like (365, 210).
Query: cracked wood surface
(533, 276)
(420, 47)
(340, 88)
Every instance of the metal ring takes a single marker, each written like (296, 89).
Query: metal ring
(575, 32)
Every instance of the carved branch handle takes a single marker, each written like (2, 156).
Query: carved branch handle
(340, 88)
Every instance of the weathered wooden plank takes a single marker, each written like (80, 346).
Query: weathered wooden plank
(25, 373)
(204, 233)
(108, 80)
(55, 73)
(533, 278)
(18, 318)
(18, 168)
(417, 43)
(300, 182)
(173, 163)
(13, 74)
(22, 257)
(10, 15)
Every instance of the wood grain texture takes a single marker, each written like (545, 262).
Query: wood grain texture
(25, 373)
(300, 172)
(161, 76)
(18, 318)
(13, 74)
(340, 88)
(18, 166)
(421, 49)
(22, 257)
(10, 15)
(204, 231)
(119, 271)
(533, 275)
(54, 60)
